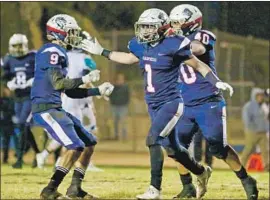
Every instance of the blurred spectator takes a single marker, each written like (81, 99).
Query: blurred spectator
(198, 152)
(6, 117)
(255, 123)
(119, 100)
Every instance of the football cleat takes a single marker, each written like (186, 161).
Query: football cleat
(151, 193)
(40, 160)
(91, 167)
(188, 191)
(202, 181)
(48, 193)
(17, 164)
(78, 193)
(250, 186)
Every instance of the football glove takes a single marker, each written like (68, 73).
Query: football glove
(93, 76)
(225, 86)
(12, 85)
(105, 89)
(92, 46)
(86, 35)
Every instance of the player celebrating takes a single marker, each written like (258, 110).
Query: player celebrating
(63, 33)
(159, 60)
(205, 105)
(18, 68)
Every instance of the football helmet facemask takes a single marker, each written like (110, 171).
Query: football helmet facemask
(151, 26)
(18, 45)
(185, 19)
(64, 29)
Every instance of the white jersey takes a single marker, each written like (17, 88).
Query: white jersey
(78, 62)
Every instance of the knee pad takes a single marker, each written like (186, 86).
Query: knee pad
(219, 150)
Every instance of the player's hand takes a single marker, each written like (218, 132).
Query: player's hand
(225, 86)
(93, 76)
(12, 84)
(92, 46)
(105, 89)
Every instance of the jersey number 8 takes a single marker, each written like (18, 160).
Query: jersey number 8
(21, 78)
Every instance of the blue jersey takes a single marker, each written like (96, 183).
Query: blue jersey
(48, 56)
(194, 88)
(21, 68)
(160, 67)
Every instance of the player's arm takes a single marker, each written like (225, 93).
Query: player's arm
(104, 89)
(93, 47)
(59, 82)
(184, 54)
(197, 48)
(208, 74)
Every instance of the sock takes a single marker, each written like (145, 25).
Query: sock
(186, 178)
(242, 173)
(182, 156)
(78, 176)
(57, 178)
(156, 158)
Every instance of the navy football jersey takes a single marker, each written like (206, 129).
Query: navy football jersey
(160, 67)
(48, 56)
(21, 68)
(194, 88)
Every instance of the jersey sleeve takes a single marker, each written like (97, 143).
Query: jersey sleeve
(135, 48)
(183, 51)
(53, 58)
(207, 38)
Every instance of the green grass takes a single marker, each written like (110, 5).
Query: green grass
(117, 183)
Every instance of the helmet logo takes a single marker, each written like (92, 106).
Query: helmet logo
(61, 22)
(188, 13)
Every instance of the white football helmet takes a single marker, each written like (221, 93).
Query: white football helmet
(151, 26)
(18, 45)
(65, 30)
(185, 19)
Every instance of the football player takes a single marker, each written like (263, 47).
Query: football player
(18, 71)
(63, 33)
(79, 65)
(159, 58)
(205, 105)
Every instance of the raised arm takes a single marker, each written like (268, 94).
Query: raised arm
(93, 47)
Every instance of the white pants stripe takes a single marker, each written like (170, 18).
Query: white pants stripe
(56, 128)
(171, 124)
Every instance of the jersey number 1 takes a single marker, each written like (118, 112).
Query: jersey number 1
(148, 70)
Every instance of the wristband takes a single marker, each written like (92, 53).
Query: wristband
(212, 78)
(106, 53)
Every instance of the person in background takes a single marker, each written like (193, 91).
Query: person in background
(18, 72)
(6, 120)
(255, 123)
(119, 100)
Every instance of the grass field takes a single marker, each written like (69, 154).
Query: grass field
(122, 183)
